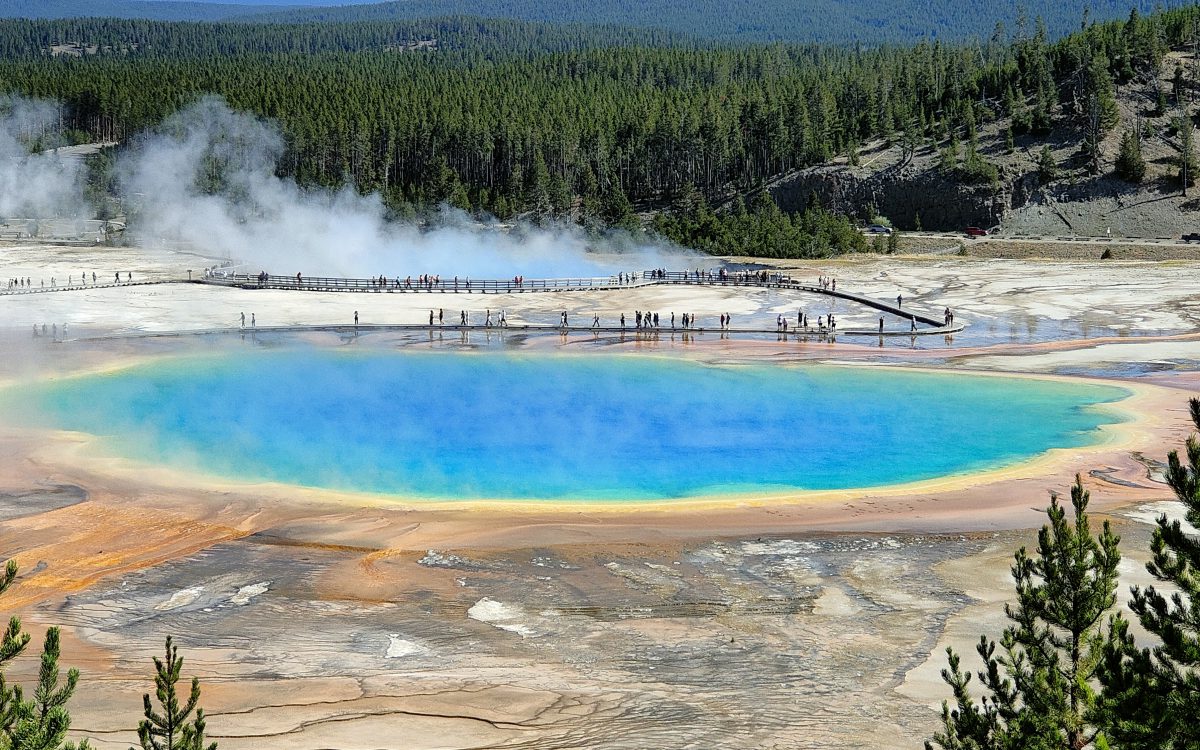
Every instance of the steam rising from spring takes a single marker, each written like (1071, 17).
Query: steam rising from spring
(207, 178)
(38, 184)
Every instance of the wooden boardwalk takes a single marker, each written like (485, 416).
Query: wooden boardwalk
(22, 290)
(643, 279)
(638, 280)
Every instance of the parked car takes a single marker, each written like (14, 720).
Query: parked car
(1192, 237)
(879, 229)
(976, 232)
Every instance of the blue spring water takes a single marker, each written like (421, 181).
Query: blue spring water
(594, 427)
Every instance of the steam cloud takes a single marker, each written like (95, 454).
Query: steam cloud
(39, 184)
(207, 177)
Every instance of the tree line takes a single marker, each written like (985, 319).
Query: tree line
(869, 22)
(514, 120)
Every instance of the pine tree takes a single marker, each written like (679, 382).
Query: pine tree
(1153, 694)
(1131, 167)
(43, 722)
(1047, 165)
(1187, 152)
(1039, 683)
(12, 644)
(40, 723)
(171, 729)
(1099, 109)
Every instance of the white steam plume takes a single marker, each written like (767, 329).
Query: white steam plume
(36, 185)
(207, 177)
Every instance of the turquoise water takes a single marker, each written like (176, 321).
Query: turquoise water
(596, 427)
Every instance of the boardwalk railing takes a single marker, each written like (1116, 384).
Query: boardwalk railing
(459, 285)
(698, 277)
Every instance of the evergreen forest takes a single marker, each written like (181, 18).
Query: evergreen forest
(869, 22)
(602, 125)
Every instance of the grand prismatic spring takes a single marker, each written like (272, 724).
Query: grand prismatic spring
(592, 427)
(400, 536)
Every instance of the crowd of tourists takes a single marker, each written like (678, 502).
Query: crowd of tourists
(19, 283)
(51, 330)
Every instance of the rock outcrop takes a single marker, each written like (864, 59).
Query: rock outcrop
(941, 202)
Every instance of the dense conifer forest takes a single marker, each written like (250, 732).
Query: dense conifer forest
(747, 21)
(521, 119)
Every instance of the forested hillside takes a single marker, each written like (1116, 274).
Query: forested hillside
(745, 21)
(161, 11)
(426, 115)
(803, 21)
(459, 40)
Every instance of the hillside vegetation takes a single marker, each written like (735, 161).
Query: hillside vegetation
(744, 21)
(528, 120)
(161, 11)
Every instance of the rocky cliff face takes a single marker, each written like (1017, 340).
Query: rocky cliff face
(903, 194)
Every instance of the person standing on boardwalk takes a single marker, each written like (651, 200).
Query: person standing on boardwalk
(899, 300)
(356, 317)
(431, 317)
(253, 322)
(622, 320)
(441, 313)
(243, 320)
(881, 324)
